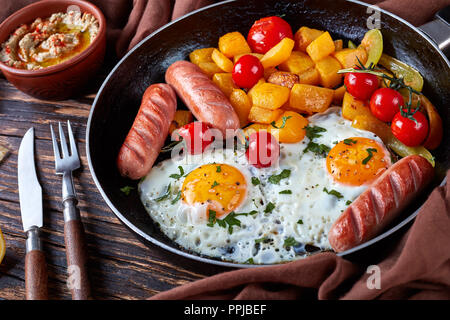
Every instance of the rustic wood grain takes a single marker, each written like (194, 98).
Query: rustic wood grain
(120, 266)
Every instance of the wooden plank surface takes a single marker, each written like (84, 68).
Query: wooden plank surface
(120, 266)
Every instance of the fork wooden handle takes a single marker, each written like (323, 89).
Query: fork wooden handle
(76, 252)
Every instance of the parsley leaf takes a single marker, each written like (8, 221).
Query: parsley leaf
(313, 132)
(262, 240)
(319, 149)
(164, 196)
(349, 141)
(229, 220)
(176, 198)
(369, 151)
(255, 181)
(284, 119)
(290, 242)
(126, 190)
(218, 169)
(211, 218)
(215, 184)
(176, 175)
(348, 203)
(269, 208)
(285, 192)
(276, 178)
(300, 221)
(333, 193)
(250, 261)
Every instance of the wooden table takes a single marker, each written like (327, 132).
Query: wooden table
(121, 267)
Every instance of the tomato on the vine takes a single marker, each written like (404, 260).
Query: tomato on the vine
(267, 32)
(411, 132)
(196, 136)
(247, 71)
(385, 103)
(361, 85)
(263, 149)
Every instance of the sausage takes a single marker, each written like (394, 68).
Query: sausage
(205, 100)
(380, 203)
(149, 131)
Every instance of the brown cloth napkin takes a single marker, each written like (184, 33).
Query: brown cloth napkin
(417, 267)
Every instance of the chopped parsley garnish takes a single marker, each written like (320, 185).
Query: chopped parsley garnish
(176, 198)
(285, 192)
(262, 240)
(333, 193)
(290, 242)
(269, 208)
(250, 261)
(255, 181)
(276, 178)
(348, 203)
(218, 169)
(369, 151)
(319, 149)
(349, 141)
(284, 119)
(164, 196)
(215, 184)
(300, 221)
(230, 220)
(313, 132)
(176, 175)
(126, 190)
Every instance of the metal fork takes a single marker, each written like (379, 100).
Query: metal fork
(76, 253)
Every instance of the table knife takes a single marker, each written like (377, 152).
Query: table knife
(30, 194)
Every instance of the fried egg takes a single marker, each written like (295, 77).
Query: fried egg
(217, 205)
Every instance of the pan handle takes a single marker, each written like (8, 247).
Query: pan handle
(439, 30)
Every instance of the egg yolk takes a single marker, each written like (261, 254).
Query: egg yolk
(222, 188)
(357, 161)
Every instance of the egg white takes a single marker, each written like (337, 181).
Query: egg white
(298, 222)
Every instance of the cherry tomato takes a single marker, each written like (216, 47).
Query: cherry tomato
(361, 85)
(411, 133)
(267, 32)
(247, 71)
(385, 103)
(263, 149)
(196, 136)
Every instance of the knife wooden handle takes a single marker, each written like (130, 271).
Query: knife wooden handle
(76, 254)
(36, 275)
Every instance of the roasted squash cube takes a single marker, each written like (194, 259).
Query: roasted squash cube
(201, 55)
(352, 107)
(278, 54)
(304, 36)
(338, 44)
(310, 99)
(241, 104)
(237, 57)
(349, 57)
(328, 68)
(339, 95)
(250, 92)
(209, 68)
(321, 47)
(298, 62)
(181, 118)
(225, 82)
(222, 62)
(283, 78)
(270, 96)
(310, 76)
(233, 44)
(262, 115)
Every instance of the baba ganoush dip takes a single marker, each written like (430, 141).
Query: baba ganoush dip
(47, 42)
